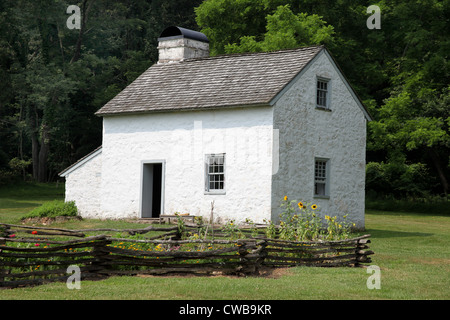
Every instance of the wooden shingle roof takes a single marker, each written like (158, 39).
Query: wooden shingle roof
(213, 82)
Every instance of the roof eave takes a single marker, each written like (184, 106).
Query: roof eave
(184, 109)
(80, 162)
(350, 88)
(297, 76)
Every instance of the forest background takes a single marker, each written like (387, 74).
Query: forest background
(53, 79)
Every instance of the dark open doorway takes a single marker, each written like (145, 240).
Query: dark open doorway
(152, 189)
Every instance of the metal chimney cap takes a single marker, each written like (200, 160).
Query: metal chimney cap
(175, 32)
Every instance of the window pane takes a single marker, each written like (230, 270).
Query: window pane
(322, 92)
(319, 189)
(320, 178)
(215, 178)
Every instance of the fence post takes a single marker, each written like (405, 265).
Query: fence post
(261, 252)
(361, 255)
(248, 259)
(100, 252)
(4, 233)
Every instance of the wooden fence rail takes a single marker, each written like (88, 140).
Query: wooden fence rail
(37, 255)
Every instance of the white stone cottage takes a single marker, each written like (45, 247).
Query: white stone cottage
(242, 130)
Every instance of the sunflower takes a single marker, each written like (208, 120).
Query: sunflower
(314, 207)
(285, 198)
(300, 205)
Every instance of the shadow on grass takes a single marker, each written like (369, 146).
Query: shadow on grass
(377, 233)
(17, 204)
(404, 213)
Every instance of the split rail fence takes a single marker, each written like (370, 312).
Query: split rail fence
(37, 255)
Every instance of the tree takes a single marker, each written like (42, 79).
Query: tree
(400, 71)
(54, 78)
(285, 30)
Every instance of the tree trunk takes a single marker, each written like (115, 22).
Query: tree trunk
(35, 154)
(39, 149)
(437, 163)
(85, 8)
(43, 154)
(32, 120)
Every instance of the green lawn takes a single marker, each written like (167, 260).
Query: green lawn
(411, 249)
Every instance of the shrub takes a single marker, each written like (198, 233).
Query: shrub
(399, 179)
(53, 209)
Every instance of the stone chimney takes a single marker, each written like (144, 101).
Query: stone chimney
(177, 44)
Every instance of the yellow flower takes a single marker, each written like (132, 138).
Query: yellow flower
(327, 217)
(300, 205)
(285, 198)
(314, 207)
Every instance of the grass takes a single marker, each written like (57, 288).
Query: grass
(410, 248)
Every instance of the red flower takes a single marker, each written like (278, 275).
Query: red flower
(36, 244)
(12, 235)
(34, 232)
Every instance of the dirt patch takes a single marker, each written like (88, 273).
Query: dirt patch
(265, 272)
(432, 261)
(45, 221)
(274, 273)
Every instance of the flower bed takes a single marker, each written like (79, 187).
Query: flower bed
(31, 255)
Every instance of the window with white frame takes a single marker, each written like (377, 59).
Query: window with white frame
(215, 173)
(321, 177)
(323, 96)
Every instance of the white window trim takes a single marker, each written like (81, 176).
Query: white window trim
(327, 179)
(328, 94)
(206, 177)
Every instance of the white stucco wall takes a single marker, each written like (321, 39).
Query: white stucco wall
(182, 139)
(307, 132)
(83, 186)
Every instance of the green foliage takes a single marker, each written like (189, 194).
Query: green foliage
(54, 79)
(300, 221)
(52, 209)
(398, 179)
(284, 29)
(400, 71)
(180, 224)
(429, 205)
(232, 230)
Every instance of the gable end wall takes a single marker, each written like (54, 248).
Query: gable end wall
(306, 133)
(83, 185)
